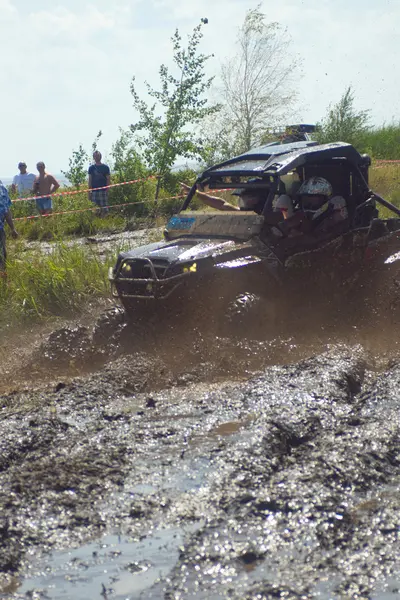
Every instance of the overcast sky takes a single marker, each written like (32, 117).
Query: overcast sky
(66, 66)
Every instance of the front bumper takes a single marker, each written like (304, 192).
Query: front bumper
(143, 279)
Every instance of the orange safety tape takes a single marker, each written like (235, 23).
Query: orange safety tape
(73, 192)
(68, 212)
(384, 160)
(386, 163)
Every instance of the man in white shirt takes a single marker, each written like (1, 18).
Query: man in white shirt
(23, 183)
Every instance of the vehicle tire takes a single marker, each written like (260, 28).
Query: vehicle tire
(250, 314)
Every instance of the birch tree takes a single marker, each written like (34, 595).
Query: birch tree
(258, 83)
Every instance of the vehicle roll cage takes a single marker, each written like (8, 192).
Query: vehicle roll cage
(275, 161)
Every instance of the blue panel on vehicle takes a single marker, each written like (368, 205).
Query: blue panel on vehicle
(180, 222)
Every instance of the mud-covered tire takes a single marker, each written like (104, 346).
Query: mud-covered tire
(250, 314)
(108, 325)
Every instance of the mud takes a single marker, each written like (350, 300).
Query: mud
(210, 468)
(139, 461)
(101, 244)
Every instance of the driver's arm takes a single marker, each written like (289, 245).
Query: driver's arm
(213, 201)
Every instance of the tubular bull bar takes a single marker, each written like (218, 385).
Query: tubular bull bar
(142, 288)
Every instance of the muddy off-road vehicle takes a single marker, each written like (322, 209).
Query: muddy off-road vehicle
(214, 256)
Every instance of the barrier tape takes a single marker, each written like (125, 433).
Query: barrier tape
(381, 164)
(376, 163)
(94, 208)
(386, 161)
(73, 192)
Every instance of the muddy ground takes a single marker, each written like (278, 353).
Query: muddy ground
(184, 464)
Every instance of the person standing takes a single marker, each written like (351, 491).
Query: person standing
(23, 183)
(5, 216)
(44, 185)
(99, 177)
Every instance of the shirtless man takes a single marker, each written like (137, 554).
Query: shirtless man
(44, 185)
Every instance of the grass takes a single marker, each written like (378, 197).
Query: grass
(382, 142)
(385, 180)
(59, 283)
(80, 218)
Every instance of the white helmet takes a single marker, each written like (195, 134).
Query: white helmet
(315, 186)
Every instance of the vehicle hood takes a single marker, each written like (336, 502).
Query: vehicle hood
(185, 250)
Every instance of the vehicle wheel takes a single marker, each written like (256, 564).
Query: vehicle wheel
(108, 325)
(250, 314)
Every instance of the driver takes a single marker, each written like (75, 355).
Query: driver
(319, 204)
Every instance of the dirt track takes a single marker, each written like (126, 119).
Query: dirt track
(202, 468)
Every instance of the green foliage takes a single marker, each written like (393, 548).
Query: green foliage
(58, 283)
(220, 142)
(344, 122)
(383, 142)
(179, 106)
(77, 171)
(127, 165)
(172, 180)
(384, 178)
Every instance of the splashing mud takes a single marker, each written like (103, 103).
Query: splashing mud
(195, 461)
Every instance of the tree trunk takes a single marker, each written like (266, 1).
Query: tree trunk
(158, 188)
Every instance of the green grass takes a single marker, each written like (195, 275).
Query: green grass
(385, 180)
(60, 283)
(382, 142)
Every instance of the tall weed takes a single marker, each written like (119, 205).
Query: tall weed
(58, 283)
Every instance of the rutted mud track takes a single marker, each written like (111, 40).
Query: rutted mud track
(178, 464)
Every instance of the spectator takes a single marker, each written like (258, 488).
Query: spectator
(23, 183)
(5, 215)
(44, 185)
(99, 177)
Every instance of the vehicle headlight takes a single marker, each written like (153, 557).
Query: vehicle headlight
(191, 269)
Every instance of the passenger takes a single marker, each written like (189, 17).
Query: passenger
(284, 204)
(248, 199)
(251, 199)
(291, 184)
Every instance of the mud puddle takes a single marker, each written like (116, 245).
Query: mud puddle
(103, 244)
(114, 567)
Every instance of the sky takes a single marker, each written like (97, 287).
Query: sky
(66, 65)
